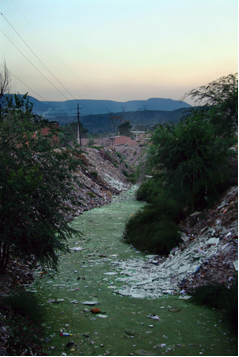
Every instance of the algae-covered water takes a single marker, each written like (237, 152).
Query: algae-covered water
(122, 328)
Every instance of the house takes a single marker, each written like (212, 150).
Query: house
(120, 140)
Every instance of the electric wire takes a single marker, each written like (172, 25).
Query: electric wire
(56, 53)
(43, 63)
(34, 66)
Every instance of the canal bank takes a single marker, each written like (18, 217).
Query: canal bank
(125, 325)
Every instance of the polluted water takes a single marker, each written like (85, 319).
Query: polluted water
(92, 309)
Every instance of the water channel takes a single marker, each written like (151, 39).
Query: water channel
(122, 328)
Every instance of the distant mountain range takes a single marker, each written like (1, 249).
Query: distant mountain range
(95, 114)
(90, 106)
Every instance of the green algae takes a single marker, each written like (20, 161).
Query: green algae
(123, 328)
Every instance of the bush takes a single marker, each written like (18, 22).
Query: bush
(24, 318)
(149, 191)
(218, 296)
(94, 173)
(132, 178)
(154, 228)
(91, 194)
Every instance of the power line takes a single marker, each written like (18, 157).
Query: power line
(56, 53)
(34, 66)
(40, 62)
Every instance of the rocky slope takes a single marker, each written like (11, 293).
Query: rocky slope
(100, 176)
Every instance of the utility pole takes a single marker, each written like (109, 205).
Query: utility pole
(78, 125)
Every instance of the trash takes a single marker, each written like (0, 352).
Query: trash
(77, 248)
(101, 315)
(74, 302)
(111, 273)
(151, 325)
(213, 241)
(235, 263)
(95, 310)
(90, 303)
(70, 343)
(153, 317)
(174, 310)
(184, 297)
(65, 334)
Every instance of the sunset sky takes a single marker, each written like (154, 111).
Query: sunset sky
(117, 49)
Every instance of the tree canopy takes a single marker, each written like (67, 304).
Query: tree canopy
(220, 98)
(36, 182)
(187, 155)
(125, 129)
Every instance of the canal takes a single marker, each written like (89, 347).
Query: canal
(88, 279)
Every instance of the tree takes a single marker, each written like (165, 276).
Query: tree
(36, 181)
(220, 98)
(5, 85)
(125, 129)
(187, 155)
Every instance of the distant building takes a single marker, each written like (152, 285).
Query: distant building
(120, 140)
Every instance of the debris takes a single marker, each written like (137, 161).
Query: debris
(235, 263)
(65, 334)
(90, 303)
(95, 310)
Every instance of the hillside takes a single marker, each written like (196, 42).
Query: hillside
(102, 123)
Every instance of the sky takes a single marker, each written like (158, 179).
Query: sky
(117, 49)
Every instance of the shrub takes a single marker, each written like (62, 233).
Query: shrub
(149, 191)
(132, 178)
(154, 228)
(94, 173)
(91, 194)
(218, 296)
(125, 173)
(24, 318)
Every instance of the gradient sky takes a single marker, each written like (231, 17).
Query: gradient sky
(118, 49)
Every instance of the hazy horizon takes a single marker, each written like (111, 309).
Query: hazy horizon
(119, 50)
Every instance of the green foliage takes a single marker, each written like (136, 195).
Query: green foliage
(36, 179)
(24, 317)
(188, 155)
(91, 194)
(90, 142)
(218, 296)
(125, 129)
(220, 98)
(154, 228)
(94, 173)
(149, 191)
(69, 133)
(132, 178)
(118, 154)
(125, 173)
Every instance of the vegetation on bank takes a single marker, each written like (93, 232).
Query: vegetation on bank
(36, 181)
(189, 161)
(24, 318)
(218, 296)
